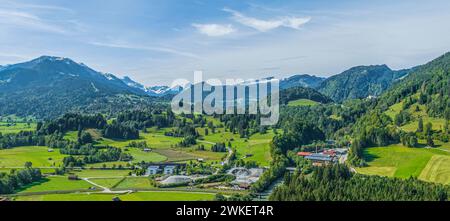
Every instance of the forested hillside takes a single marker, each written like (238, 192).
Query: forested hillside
(296, 93)
(360, 82)
(338, 184)
(416, 108)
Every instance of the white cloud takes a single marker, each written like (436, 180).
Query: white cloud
(27, 20)
(146, 48)
(214, 30)
(19, 5)
(267, 25)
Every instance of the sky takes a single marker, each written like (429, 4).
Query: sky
(157, 42)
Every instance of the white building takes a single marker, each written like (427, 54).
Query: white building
(152, 170)
(169, 170)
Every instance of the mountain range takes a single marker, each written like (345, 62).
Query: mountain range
(53, 85)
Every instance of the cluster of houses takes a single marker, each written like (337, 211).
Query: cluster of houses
(325, 157)
(164, 169)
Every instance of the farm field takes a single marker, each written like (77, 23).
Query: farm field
(403, 162)
(139, 156)
(59, 183)
(154, 140)
(437, 170)
(101, 173)
(139, 196)
(134, 183)
(39, 156)
(106, 182)
(302, 102)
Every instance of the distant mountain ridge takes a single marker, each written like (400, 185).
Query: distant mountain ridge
(304, 80)
(155, 91)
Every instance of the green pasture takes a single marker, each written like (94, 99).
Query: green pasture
(59, 183)
(138, 196)
(39, 156)
(302, 102)
(403, 162)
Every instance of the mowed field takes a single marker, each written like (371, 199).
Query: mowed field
(101, 173)
(57, 183)
(403, 162)
(39, 156)
(437, 170)
(134, 183)
(138, 196)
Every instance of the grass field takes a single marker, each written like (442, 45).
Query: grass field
(134, 183)
(257, 146)
(139, 156)
(402, 162)
(139, 196)
(154, 140)
(101, 173)
(438, 124)
(302, 102)
(106, 182)
(108, 164)
(437, 170)
(56, 184)
(39, 156)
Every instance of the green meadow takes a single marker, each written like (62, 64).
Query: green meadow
(57, 183)
(101, 173)
(106, 182)
(134, 183)
(302, 102)
(437, 170)
(403, 162)
(138, 196)
(438, 123)
(39, 156)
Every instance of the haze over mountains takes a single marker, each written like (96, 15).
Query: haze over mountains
(53, 83)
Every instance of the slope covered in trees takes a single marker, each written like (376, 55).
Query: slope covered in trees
(406, 111)
(360, 82)
(296, 93)
(336, 183)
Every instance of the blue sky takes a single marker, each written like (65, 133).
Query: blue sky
(155, 42)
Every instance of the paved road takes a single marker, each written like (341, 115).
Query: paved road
(106, 189)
